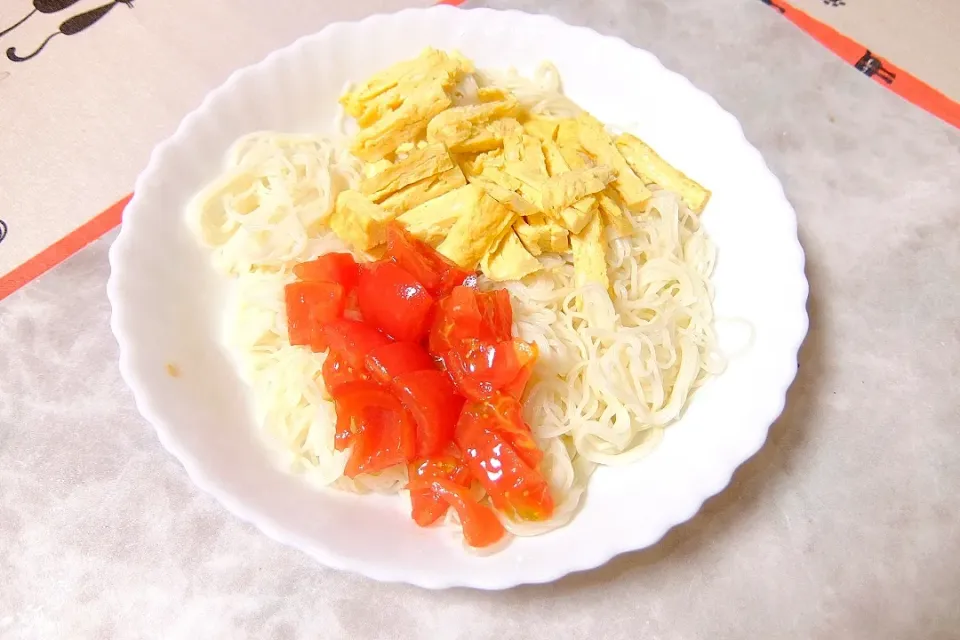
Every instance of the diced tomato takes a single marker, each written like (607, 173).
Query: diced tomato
(345, 430)
(496, 364)
(393, 300)
(468, 314)
(433, 402)
(504, 414)
(407, 252)
(514, 486)
(457, 318)
(352, 340)
(426, 506)
(387, 362)
(471, 333)
(481, 528)
(431, 269)
(337, 372)
(464, 311)
(309, 306)
(382, 434)
(330, 267)
(453, 406)
(479, 369)
(497, 315)
(466, 385)
(527, 354)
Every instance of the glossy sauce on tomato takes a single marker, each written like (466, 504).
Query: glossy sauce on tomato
(424, 372)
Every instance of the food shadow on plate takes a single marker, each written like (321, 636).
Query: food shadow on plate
(747, 492)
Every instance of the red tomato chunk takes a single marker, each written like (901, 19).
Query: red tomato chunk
(394, 301)
(424, 371)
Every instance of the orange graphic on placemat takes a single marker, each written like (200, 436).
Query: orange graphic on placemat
(872, 65)
(69, 27)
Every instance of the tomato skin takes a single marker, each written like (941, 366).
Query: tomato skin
(437, 274)
(433, 402)
(352, 340)
(481, 528)
(309, 306)
(390, 360)
(394, 301)
(515, 487)
(340, 268)
(426, 507)
(383, 434)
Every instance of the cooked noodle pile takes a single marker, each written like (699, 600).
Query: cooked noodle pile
(612, 373)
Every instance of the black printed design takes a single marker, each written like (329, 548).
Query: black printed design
(775, 6)
(873, 66)
(70, 26)
(43, 6)
(834, 3)
(3, 230)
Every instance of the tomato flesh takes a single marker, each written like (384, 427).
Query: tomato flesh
(309, 306)
(481, 528)
(503, 414)
(352, 340)
(471, 333)
(515, 487)
(336, 373)
(390, 360)
(424, 371)
(497, 315)
(433, 402)
(426, 507)
(437, 274)
(527, 354)
(479, 369)
(394, 301)
(383, 435)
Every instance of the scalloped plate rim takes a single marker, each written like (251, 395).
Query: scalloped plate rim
(600, 554)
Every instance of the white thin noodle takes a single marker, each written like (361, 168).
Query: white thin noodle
(264, 214)
(266, 210)
(542, 94)
(612, 373)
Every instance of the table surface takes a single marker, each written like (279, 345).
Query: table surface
(843, 526)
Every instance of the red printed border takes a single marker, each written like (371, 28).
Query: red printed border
(896, 79)
(872, 65)
(63, 248)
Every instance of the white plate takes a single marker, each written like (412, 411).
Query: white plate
(167, 300)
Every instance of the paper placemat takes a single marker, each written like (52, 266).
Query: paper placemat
(919, 37)
(106, 80)
(80, 115)
(842, 527)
